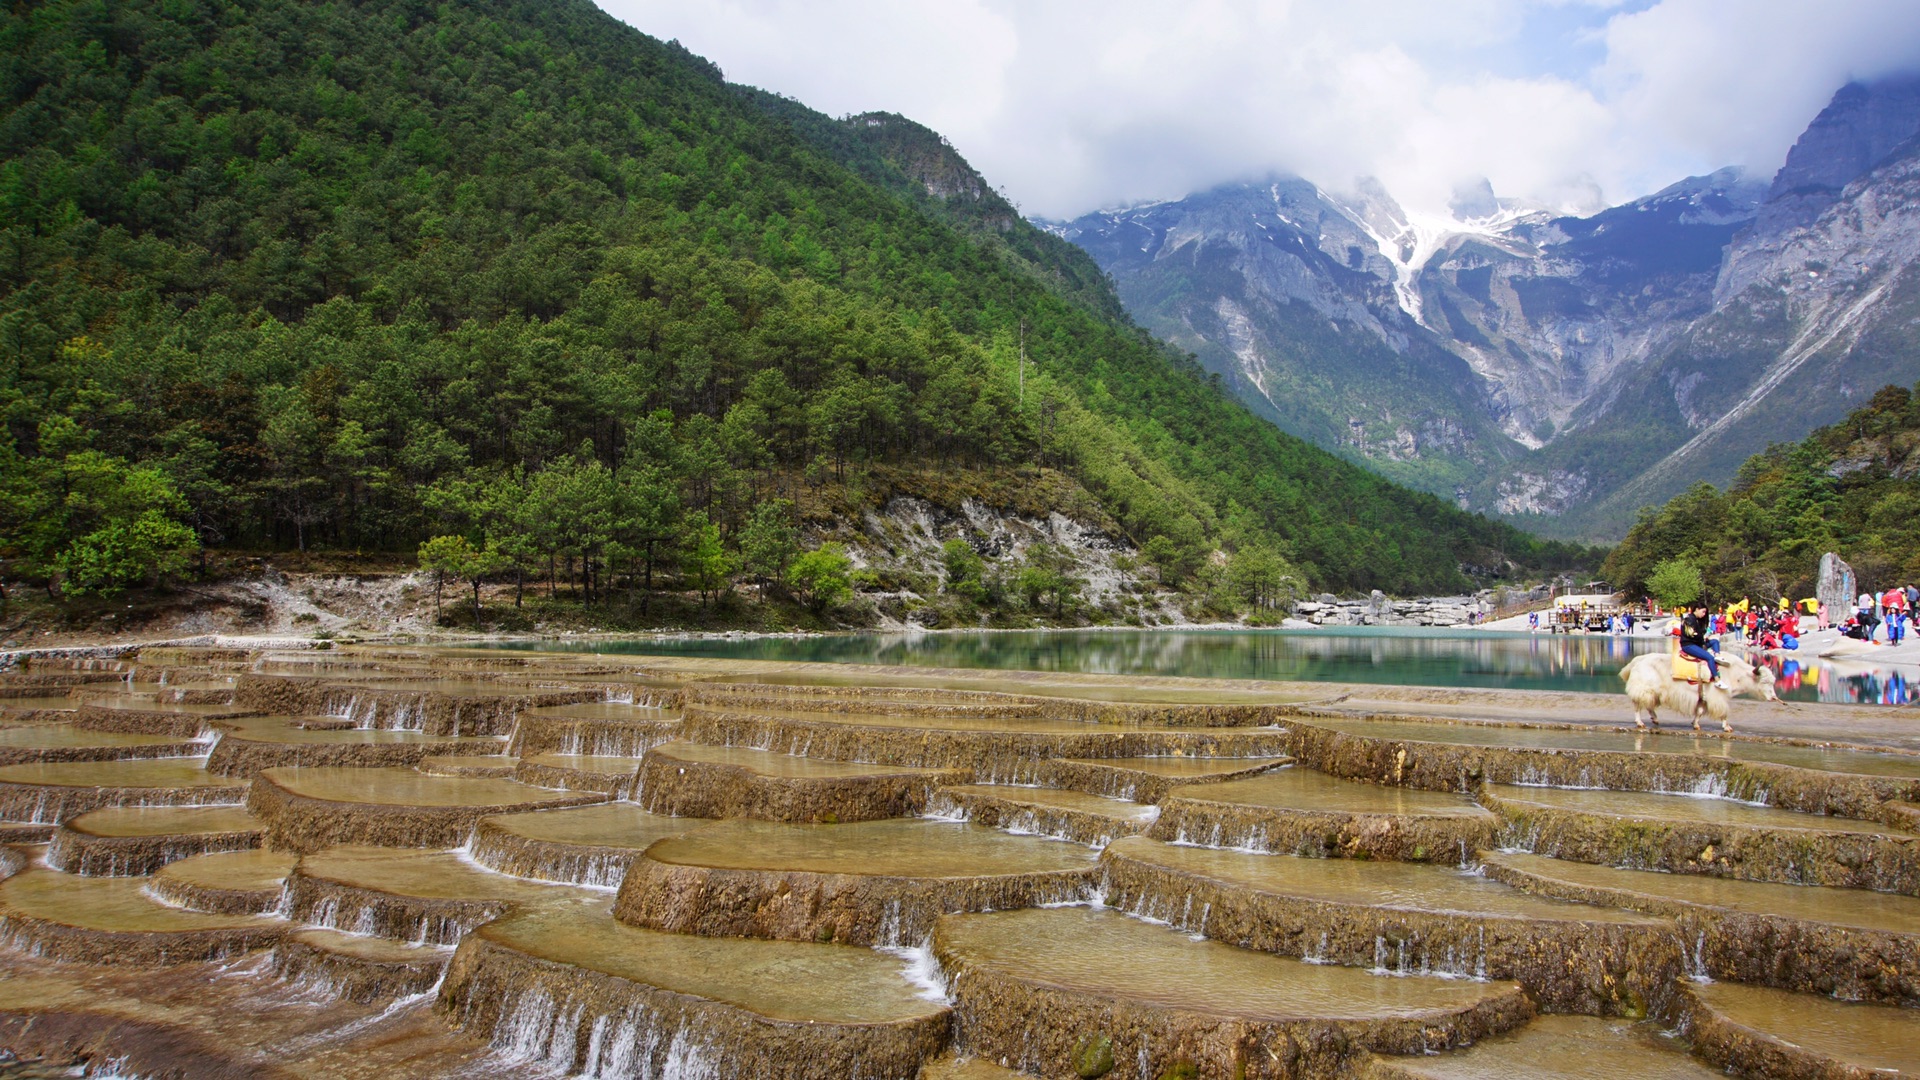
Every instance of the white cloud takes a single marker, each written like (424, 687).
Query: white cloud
(1071, 105)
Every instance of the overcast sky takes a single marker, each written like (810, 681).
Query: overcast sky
(1073, 105)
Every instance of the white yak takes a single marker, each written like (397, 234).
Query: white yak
(1651, 686)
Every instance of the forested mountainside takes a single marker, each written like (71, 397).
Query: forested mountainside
(1852, 487)
(1563, 371)
(281, 274)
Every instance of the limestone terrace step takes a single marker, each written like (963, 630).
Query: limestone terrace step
(53, 792)
(1850, 943)
(997, 750)
(876, 882)
(1403, 917)
(1150, 779)
(1556, 1048)
(582, 845)
(1690, 835)
(698, 780)
(1297, 811)
(66, 742)
(1068, 815)
(307, 809)
(1075, 991)
(120, 841)
(1755, 1031)
(628, 1001)
(112, 920)
(1454, 756)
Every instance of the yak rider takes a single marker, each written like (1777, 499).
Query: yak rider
(1697, 642)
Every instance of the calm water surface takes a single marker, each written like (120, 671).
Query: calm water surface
(1396, 655)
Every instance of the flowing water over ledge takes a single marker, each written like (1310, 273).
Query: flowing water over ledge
(1392, 655)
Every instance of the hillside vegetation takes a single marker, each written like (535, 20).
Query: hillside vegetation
(1852, 488)
(279, 275)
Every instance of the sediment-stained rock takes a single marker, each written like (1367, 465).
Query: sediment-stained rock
(440, 707)
(21, 832)
(587, 845)
(53, 792)
(485, 766)
(612, 776)
(1404, 918)
(580, 992)
(406, 895)
(109, 920)
(877, 883)
(1555, 1048)
(146, 716)
(604, 728)
(65, 742)
(934, 703)
(1845, 943)
(250, 747)
(695, 780)
(1068, 991)
(1095, 820)
(358, 968)
(307, 809)
(1449, 765)
(1297, 811)
(226, 883)
(136, 841)
(1707, 836)
(1751, 1031)
(1004, 751)
(1151, 779)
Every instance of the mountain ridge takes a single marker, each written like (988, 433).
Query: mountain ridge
(1599, 372)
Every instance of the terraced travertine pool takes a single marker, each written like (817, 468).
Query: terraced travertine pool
(401, 862)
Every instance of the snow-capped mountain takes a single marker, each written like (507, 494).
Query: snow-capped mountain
(1538, 363)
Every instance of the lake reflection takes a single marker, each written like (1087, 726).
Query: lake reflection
(1404, 656)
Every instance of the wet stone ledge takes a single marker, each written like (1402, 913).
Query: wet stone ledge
(592, 997)
(52, 793)
(547, 731)
(589, 845)
(375, 912)
(882, 883)
(1573, 960)
(989, 754)
(155, 718)
(1149, 1002)
(1850, 944)
(250, 752)
(936, 703)
(119, 842)
(1300, 813)
(614, 777)
(691, 780)
(487, 711)
(1812, 853)
(1094, 820)
(1756, 1032)
(310, 809)
(1462, 767)
(225, 883)
(1149, 780)
(63, 742)
(357, 968)
(109, 921)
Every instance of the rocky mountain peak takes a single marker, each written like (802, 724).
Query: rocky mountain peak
(1859, 128)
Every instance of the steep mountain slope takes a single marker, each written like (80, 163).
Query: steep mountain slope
(1851, 487)
(1613, 359)
(362, 274)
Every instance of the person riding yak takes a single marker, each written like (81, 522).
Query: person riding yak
(1696, 641)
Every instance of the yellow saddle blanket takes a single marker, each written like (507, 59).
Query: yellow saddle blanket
(1687, 669)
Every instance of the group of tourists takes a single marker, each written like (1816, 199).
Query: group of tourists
(1890, 609)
